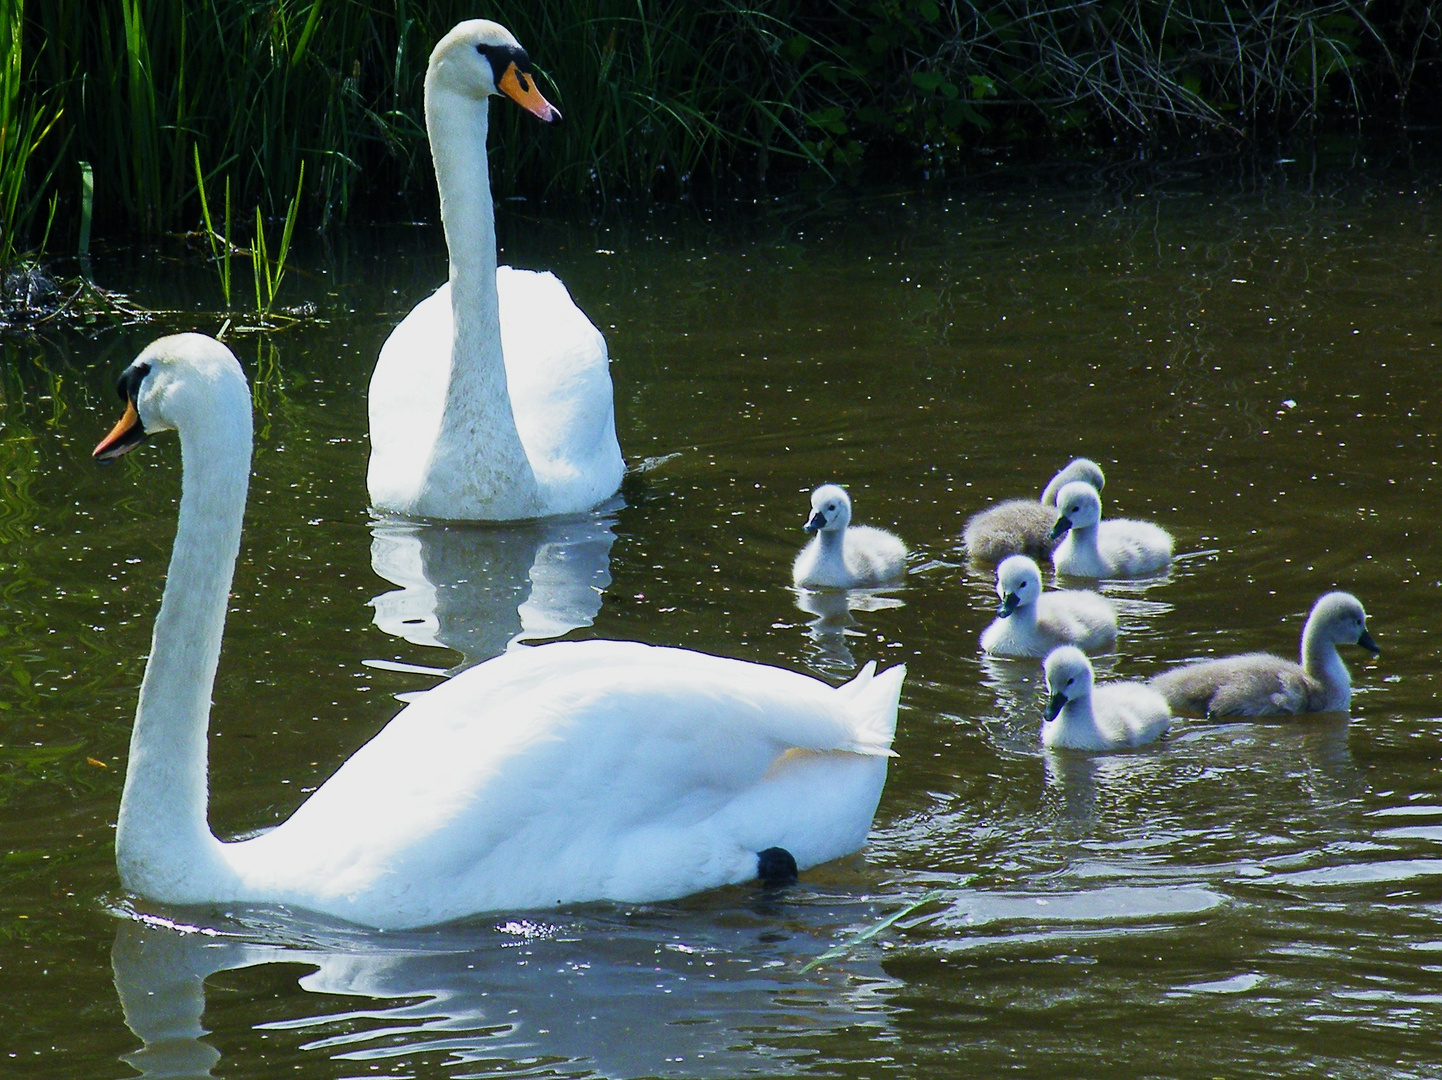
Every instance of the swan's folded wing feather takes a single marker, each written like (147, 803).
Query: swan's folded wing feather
(591, 737)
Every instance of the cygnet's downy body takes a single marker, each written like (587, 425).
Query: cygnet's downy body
(1097, 719)
(1031, 622)
(1117, 548)
(1260, 684)
(1023, 526)
(842, 555)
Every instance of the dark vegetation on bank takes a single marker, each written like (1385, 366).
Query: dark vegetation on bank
(662, 98)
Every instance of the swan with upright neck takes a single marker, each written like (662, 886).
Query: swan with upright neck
(1260, 684)
(1101, 719)
(564, 773)
(1115, 548)
(845, 556)
(492, 400)
(1030, 622)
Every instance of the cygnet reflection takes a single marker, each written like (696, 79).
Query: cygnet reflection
(674, 991)
(479, 589)
(834, 622)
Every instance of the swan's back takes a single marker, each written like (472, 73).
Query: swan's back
(1252, 684)
(1130, 713)
(874, 556)
(1134, 548)
(591, 770)
(1077, 617)
(1013, 527)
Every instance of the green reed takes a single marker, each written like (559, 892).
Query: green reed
(662, 97)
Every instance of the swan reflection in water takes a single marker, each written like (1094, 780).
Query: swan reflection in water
(834, 622)
(480, 589)
(674, 990)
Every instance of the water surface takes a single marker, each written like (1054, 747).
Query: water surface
(1254, 363)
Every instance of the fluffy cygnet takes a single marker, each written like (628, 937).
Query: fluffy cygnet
(842, 555)
(1023, 526)
(1091, 547)
(1032, 623)
(1113, 716)
(1260, 684)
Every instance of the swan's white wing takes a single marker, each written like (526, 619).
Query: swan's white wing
(407, 397)
(587, 770)
(559, 377)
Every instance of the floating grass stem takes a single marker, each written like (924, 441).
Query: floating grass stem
(871, 931)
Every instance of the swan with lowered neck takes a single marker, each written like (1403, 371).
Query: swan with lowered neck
(1260, 684)
(1023, 526)
(491, 401)
(564, 773)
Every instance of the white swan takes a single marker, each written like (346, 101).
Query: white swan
(1260, 684)
(491, 401)
(1115, 548)
(1030, 622)
(1023, 526)
(1112, 716)
(550, 775)
(842, 555)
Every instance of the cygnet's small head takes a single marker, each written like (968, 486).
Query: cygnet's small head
(830, 509)
(1068, 677)
(177, 382)
(479, 58)
(1338, 617)
(1080, 469)
(1080, 506)
(1018, 583)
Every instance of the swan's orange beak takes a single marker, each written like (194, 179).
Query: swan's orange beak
(123, 438)
(521, 88)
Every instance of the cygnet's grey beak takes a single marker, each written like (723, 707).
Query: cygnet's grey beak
(817, 522)
(1062, 526)
(1055, 704)
(1367, 643)
(1009, 603)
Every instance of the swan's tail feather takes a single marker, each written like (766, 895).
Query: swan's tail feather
(875, 702)
(859, 682)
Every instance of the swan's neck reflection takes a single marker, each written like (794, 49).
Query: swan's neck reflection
(479, 589)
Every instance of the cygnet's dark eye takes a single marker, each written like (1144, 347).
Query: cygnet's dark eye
(1071, 680)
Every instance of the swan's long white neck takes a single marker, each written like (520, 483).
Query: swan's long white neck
(478, 411)
(164, 847)
(1321, 660)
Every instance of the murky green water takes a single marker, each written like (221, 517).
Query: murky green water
(1254, 363)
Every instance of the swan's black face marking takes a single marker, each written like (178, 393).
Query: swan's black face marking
(1367, 643)
(129, 433)
(127, 387)
(776, 867)
(1009, 603)
(817, 522)
(1062, 526)
(500, 57)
